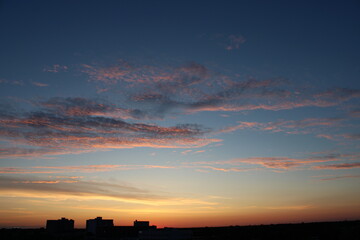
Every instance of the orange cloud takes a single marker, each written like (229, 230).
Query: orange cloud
(79, 168)
(40, 182)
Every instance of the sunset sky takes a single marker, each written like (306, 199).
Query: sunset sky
(182, 113)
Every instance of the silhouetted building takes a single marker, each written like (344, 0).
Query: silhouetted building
(130, 232)
(99, 226)
(62, 225)
(141, 224)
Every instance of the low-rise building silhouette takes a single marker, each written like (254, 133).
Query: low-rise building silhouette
(141, 224)
(62, 225)
(99, 226)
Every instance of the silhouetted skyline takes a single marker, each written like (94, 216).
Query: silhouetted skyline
(321, 230)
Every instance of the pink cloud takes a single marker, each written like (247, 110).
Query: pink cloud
(327, 136)
(74, 169)
(339, 166)
(195, 88)
(242, 125)
(110, 74)
(73, 126)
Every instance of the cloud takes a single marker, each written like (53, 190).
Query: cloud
(109, 75)
(56, 68)
(287, 208)
(351, 136)
(81, 188)
(193, 88)
(89, 107)
(234, 42)
(124, 72)
(283, 163)
(332, 177)
(185, 98)
(242, 125)
(88, 190)
(13, 82)
(224, 169)
(243, 96)
(307, 125)
(327, 136)
(199, 151)
(339, 94)
(355, 113)
(77, 169)
(186, 152)
(41, 182)
(75, 125)
(39, 84)
(339, 166)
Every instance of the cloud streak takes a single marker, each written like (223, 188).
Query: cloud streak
(76, 125)
(339, 166)
(56, 68)
(77, 169)
(331, 178)
(235, 42)
(88, 190)
(283, 163)
(193, 88)
(307, 125)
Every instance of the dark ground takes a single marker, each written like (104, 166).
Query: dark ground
(347, 230)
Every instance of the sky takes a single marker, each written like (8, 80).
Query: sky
(181, 113)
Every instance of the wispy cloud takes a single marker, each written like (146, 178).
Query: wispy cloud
(234, 42)
(76, 125)
(13, 82)
(88, 190)
(351, 136)
(283, 163)
(339, 166)
(166, 77)
(77, 169)
(39, 84)
(327, 136)
(335, 177)
(110, 74)
(287, 208)
(89, 107)
(288, 126)
(195, 88)
(56, 68)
